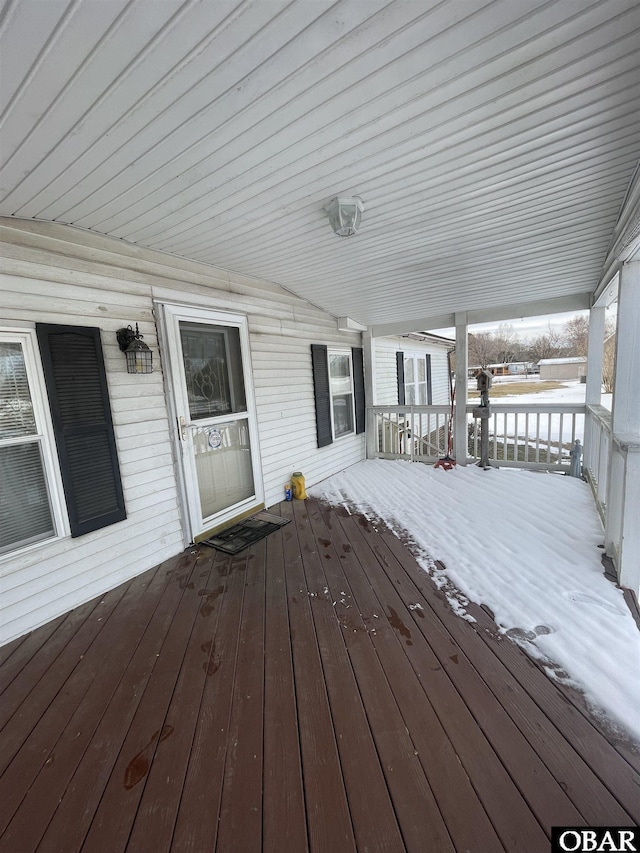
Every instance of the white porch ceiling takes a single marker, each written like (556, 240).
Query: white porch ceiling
(492, 142)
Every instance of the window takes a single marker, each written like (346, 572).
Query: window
(414, 379)
(341, 391)
(338, 379)
(59, 471)
(29, 509)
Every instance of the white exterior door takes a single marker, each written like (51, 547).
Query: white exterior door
(215, 422)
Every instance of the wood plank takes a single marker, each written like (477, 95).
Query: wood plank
(284, 821)
(156, 815)
(404, 724)
(582, 735)
(515, 824)
(149, 731)
(374, 821)
(24, 651)
(547, 798)
(595, 803)
(328, 819)
(295, 697)
(66, 730)
(75, 812)
(9, 648)
(197, 820)
(19, 728)
(240, 822)
(56, 660)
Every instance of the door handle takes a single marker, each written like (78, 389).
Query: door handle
(183, 426)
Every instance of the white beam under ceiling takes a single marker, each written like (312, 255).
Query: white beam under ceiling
(556, 305)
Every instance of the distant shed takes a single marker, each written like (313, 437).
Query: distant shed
(563, 368)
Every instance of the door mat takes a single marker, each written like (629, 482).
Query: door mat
(239, 536)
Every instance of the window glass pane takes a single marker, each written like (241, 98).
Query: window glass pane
(422, 395)
(342, 414)
(422, 369)
(410, 395)
(340, 374)
(339, 366)
(408, 370)
(16, 408)
(213, 369)
(223, 463)
(25, 511)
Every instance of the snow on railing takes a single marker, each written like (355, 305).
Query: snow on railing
(522, 436)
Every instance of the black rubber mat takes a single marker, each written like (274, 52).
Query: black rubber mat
(244, 533)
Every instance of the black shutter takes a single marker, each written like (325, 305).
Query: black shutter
(429, 388)
(79, 400)
(400, 369)
(320, 365)
(358, 386)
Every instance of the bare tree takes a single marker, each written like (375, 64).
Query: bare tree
(576, 335)
(545, 346)
(506, 344)
(609, 363)
(482, 349)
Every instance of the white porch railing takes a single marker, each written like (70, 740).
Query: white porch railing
(612, 467)
(539, 437)
(415, 433)
(596, 457)
(522, 436)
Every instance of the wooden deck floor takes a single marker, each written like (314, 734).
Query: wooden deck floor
(314, 693)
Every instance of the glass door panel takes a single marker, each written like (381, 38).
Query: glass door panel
(224, 466)
(213, 370)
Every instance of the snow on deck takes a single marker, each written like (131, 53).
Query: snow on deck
(528, 545)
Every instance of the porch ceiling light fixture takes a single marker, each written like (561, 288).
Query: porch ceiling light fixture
(139, 356)
(345, 215)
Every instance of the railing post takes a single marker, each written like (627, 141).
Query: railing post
(462, 368)
(595, 355)
(371, 428)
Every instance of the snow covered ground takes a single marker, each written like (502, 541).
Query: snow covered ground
(548, 427)
(525, 544)
(573, 391)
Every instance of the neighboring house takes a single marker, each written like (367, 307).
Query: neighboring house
(108, 473)
(412, 370)
(513, 368)
(507, 368)
(563, 368)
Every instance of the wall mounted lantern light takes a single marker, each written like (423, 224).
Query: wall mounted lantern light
(345, 215)
(139, 356)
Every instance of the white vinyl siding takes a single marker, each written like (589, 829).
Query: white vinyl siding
(56, 274)
(386, 370)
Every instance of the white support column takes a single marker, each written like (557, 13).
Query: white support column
(626, 389)
(622, 532)
(369, 355)
(460, 436)
(595, 356)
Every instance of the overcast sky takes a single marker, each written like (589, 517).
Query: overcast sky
(524, 327)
